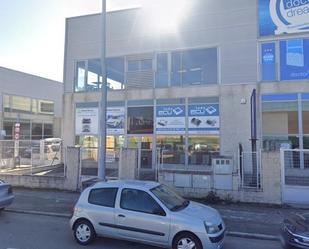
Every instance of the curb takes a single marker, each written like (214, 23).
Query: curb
(228, 233)
(253, 236)
(37, 213)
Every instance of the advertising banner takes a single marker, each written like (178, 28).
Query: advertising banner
(171, 119)
(278, 17)
(115, 120)
(204, 119)
(268, 61)
(86, 120)
(294, 59)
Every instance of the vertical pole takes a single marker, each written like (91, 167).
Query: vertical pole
(102, 125)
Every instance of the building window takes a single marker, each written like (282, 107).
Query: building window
(6, 103)
(140, 120)
(162, 71)
(194, 67)
(80, 76)
(202, 148)
(115, 73)
(139, 65)
(48, 131)
(21, 104)
(268, 62)
(93, 75)
(171, 149)
(280, 122)
(46, 107)
(36, 131)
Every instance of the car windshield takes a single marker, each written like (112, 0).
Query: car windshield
(169, 198)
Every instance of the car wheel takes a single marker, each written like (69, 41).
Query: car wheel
(84, 232)
(186, 241)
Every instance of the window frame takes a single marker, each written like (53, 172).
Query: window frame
(139, 211)
(105, 188)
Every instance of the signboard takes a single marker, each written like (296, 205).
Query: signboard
(115, 120)
(86, 120)
(204, 119)
(278, 17)
(268, 61)
(171, 119)
(294, 59)
(17, 131)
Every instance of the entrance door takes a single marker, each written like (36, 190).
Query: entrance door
(295, 176)
(144, 146)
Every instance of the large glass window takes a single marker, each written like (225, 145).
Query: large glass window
(139, 65)
(80, 82)
(202, 149)
(36, 131)
(140, 120)
(162, 70)
(46, 107)
(6, 103)
(280, 122)
(268, 62)
(194, 67)
(21, 104)
(48, 130)
(172, 149)
(115, 73)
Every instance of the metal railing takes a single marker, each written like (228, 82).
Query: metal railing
(36, 157)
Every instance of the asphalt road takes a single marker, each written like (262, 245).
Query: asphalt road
(24, 231)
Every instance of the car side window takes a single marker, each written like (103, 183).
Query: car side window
(103, 197)
(140, 201)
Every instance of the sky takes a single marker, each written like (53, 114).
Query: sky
(32, 32)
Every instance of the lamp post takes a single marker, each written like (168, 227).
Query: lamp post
(102, 124)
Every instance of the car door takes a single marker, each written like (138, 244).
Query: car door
(140, 217)
(101, 210)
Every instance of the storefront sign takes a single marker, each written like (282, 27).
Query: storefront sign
(204, 119)
(268, 61)
(171, 119)
(278, 17)
(115, 119)
(294, 59)
(86, 120)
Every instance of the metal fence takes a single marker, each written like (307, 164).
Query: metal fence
(250, 169)
(36, 157)
(296, 167)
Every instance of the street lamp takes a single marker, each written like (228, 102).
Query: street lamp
(103, 101)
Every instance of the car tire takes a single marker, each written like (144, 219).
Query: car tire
(185, 239)
(84, 232)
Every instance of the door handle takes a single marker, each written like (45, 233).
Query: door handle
(121, 216)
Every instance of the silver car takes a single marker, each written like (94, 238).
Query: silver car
(145, 212)
(6, 195)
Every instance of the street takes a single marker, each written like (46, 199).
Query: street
(25, 231)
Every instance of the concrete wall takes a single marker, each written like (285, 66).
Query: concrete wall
(229, 25)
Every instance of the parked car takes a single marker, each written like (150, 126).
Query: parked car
(145, 212)
(6, 195)
(295, 231)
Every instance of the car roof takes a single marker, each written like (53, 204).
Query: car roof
(145, 185)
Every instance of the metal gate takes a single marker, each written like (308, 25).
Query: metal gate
(295, 176)
(250, 169)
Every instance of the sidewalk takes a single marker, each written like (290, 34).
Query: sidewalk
(246, 219)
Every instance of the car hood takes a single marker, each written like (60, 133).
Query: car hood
(300, 224)
(203, 212)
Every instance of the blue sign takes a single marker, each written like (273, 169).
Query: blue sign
(283, 16)
(294, 59)
(171, 119)
(204, 119)
(268, 61)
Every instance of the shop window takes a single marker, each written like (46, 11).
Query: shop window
(8, 126)
(25, 132)
(140, 120)
(280, 124)
(113, 146)
(172, 149)
(202, 149)
(48, 130)
(37, 131)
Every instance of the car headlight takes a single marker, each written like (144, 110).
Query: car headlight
(211, 228)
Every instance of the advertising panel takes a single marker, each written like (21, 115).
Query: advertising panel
(86, 120)
(278, 17)
(171, 119)
(204, 119)
(294, 59)
(115, 118)
(140, 120)
(268, 61)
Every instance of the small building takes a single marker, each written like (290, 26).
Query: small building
(31, 101)
(216, 97)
